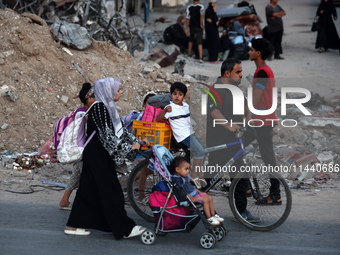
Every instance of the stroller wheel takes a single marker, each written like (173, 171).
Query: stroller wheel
(207, 240)
(219, 232)
(148, 236)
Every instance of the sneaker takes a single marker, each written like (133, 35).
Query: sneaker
(213, 221)
(279, 57)
(136, 231)
(217, 217)
(249, 217)
(200, 60)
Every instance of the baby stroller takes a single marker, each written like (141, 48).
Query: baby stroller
(173, 209)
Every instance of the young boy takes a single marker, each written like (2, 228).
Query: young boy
(180, 169)
(178, 114)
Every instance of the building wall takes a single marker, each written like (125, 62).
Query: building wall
(174, 2)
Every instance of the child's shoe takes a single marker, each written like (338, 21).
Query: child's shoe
(213, 221)
(217, 217)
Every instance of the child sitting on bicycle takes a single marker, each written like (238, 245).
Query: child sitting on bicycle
(178, 114)
(180, 168)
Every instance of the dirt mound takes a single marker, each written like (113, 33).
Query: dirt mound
(41, 73)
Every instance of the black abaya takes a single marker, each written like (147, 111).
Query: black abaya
(211, 32)
(327, 37)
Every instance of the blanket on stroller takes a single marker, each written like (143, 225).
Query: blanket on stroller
(173, 218)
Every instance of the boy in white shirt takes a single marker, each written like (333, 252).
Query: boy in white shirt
(178, 114)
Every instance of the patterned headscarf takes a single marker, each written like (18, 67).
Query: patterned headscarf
(105, 91)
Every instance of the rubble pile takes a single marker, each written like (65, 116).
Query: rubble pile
(39, 80)
(98, 18)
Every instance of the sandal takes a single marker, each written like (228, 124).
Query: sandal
(77, 232)
(66, 208)
(144, 201)
(265, 201)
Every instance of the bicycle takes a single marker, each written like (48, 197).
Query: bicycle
(272, 216)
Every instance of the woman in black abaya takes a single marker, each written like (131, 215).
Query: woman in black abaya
(99, 202)
(327, 37)
(211, 31)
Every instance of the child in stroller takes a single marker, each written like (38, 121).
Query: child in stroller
(180, 169)
(172, 207)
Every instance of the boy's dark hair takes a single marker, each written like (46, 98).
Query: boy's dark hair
(228, 65)
(176, 162)
(86, 87)
(180, 87)
(262, 45)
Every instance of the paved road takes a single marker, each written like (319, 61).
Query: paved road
(312, 228)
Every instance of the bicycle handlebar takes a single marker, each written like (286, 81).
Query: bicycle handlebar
(242, 131)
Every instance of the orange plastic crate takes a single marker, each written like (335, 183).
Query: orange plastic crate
(155, 132)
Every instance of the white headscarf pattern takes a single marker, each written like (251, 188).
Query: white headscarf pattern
(105, 91)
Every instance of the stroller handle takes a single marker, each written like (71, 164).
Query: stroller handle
(146, 154)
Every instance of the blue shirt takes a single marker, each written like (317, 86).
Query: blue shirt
(186, 184)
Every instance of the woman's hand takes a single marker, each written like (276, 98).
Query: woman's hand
(146, 142)
(209, 20)
(135, 146)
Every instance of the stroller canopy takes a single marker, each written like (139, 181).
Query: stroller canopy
(163, 158)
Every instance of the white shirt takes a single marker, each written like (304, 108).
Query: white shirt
(179, 119)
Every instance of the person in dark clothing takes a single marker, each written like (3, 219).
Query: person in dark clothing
(274, 14)
(195, 14)
(327, 37)
(231, 74)
(175, 34)
(263, 84)
(99, 202)
(211, 31)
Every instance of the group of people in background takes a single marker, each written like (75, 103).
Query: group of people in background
(188, 32)
(233, 41)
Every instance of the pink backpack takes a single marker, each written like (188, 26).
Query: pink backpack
(62, 123)
(150, 114)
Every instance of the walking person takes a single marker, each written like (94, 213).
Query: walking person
(195, 13)
(231, 74)
(327, 37)
(86, 96)
(99, 202)
(274, 14)
(263, 84)
(211, 32)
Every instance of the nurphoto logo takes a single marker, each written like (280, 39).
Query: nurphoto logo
(238, 104)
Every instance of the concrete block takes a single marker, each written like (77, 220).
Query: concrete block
(301, 138)
(4, 126)
(64, 99)
(319, 122)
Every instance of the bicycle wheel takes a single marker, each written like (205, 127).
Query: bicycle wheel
(270, 216)
(140, 184)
